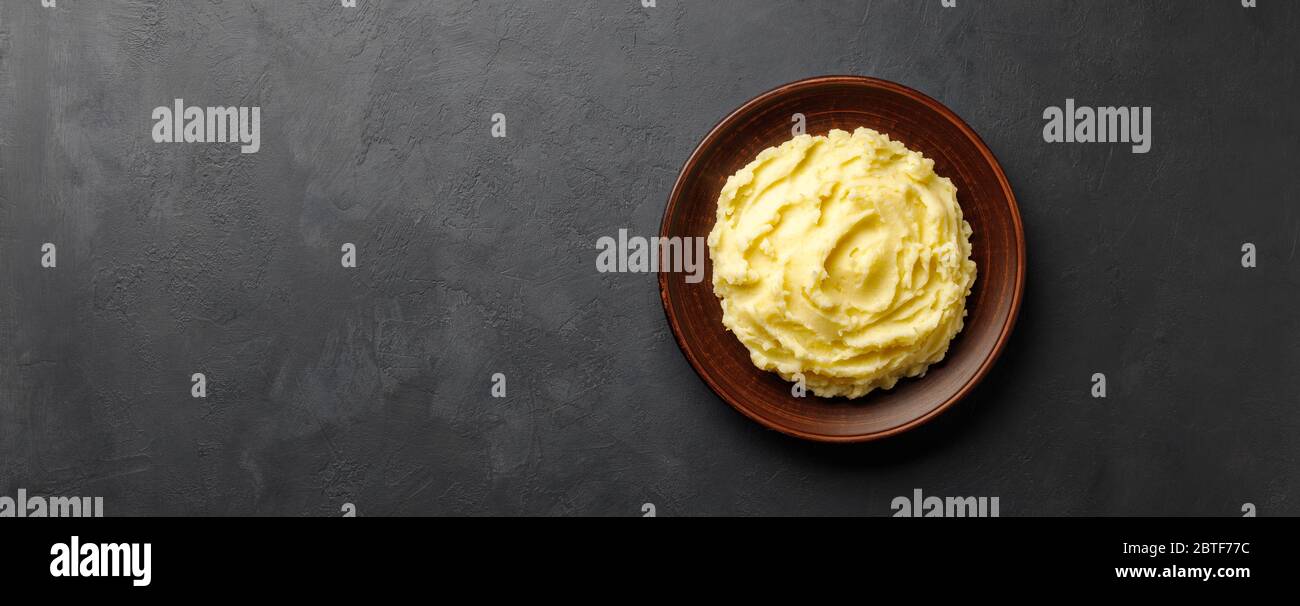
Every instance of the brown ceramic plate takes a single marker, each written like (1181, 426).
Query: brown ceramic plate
(998, 247)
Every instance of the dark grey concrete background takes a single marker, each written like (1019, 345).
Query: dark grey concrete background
(371, 385)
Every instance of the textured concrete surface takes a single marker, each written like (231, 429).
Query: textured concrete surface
(371, 386)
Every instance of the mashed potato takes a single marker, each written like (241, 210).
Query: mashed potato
(844, 259)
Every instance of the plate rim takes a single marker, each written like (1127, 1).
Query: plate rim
(1017, 293)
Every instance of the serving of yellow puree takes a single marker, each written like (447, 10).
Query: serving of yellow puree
(844, 259)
